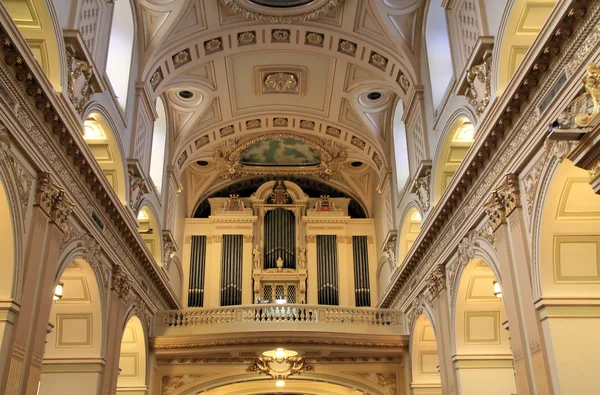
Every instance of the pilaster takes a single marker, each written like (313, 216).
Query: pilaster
(311, 260)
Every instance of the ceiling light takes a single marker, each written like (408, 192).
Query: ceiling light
(356, 163)
(279, 353)
(58, 291)
(280, 383)
(374, 96)
(497, 290)
(185, 94)
(143, 215)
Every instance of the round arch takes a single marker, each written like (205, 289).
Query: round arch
(454, 147)
(150, 230)
(38, 24)
(133, 357)
(78, 334)
(9, 279)
(424, 357)
(105, 145)
(520, 25)
(477, 317)
(410, 227)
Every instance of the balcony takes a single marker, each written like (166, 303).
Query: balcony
(277, 318)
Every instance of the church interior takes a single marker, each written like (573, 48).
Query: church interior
(308, 197)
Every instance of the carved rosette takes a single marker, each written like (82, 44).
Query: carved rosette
(79, 84)
(479, 79)
(281, 82)
(121, 282)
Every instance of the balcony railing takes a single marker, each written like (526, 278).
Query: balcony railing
(275, 317)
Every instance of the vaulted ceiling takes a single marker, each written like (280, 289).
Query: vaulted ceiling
(331, 71)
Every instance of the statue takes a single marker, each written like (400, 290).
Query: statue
(256, 254)
(302, 258)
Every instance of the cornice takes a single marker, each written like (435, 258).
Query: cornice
(50, 111)
(512, 114)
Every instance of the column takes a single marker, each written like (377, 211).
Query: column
(531, 363)
(247, 266)
(116, 307)
(49, 214)
(345, 273)
(312, 295)
(441, 316)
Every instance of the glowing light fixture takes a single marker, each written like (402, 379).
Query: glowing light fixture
(416, 216)
(497, 290)
(143, 215)
(280, 383)
(58, 291)
(280, 353)
(281, 301)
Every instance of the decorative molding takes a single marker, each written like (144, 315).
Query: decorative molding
(422, 188)
(479, 80)
(79, 83)
(120, 282)
(295, 365)
(591, 82)
(266, 14)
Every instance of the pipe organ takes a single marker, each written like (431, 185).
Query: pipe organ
(279, 245)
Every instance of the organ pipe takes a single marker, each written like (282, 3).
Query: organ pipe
(362, 291)
(231, 270)
(327, 269)
(197, 269)
(280, 238)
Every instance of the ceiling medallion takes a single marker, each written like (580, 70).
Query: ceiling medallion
(283, 11)
(281, 82)
(228, 159)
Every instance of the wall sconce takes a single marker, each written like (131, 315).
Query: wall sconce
(497, 290)
(58, 291)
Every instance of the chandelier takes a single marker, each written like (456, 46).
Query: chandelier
(279, 364)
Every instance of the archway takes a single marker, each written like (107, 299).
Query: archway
(9, 277)
(409, 230)
(483, 357)
(39, 26)
(568, 277)
(459, 139)
(73, 360)
(150, 231)
(133, 359)
(102, 141)
(425, 360)
(524, 20)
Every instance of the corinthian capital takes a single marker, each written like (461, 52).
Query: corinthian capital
(120, 282)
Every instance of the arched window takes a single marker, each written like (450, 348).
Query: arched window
(120, 50)
(159, 139)
(400, 148)
(438, 51)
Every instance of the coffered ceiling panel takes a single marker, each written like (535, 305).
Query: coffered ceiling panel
(247, 86)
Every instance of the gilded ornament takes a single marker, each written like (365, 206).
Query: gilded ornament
(347, 47)
(313, 38)
(377, 160)
(226, 131)
(213, 45)
(591, 82)
(358, 142)
(316, 9)
(281, 35)
(157, 78)
(280, 121)
(253, 124)
(335, 132)
(79, 84)
(281, 82)
(202, 141)
(378, 60)
(246, 38)
(305, 124)
(181, 57)
(404, 82)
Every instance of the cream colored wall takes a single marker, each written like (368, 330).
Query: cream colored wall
(133, 359)
(424, 359)
(570, 279)
(409, 231)
(7, 247)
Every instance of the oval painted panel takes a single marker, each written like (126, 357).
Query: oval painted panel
(280, 152)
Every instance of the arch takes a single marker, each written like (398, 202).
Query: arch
(8, 280)
(120, 50)
(38, 24)
(424, 358)
(439, 56)
(521, 23)
(483, 357)
(104, 144)
(400, 147)
(159, 141)
(459, 138)
(77, 336)
(133, 358)
(409, 230)
(566, 273)
(149, 228)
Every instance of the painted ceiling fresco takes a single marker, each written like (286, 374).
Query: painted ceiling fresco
(280, 152)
